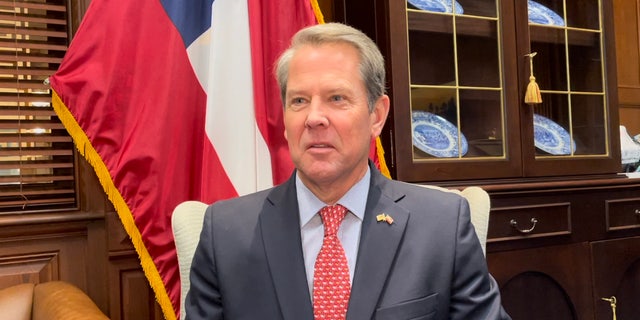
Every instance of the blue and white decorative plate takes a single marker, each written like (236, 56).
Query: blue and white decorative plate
(437, 5)
(550, 137)
(436, 136)
(540, 14)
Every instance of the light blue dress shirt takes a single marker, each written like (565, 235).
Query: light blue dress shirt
(312, 230)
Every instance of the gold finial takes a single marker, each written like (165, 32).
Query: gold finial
(612, 301)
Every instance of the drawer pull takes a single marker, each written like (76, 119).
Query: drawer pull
(637, 212)
(514, 224)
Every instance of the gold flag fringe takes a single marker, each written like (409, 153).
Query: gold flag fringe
(383, 164)
(532, 94)
(317, 11)
(86, 149)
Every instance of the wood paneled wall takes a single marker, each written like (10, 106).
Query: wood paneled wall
(87, 247)
(627, 30)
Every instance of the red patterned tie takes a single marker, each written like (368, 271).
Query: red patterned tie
(331, 287)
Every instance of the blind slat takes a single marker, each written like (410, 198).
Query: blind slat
(28, 18)
(34, 5)
(25, 97)
(30, 58)
(34, 31)
(24, 111)
(35, 192)
(13, 152)
(29, 203)
(35, 165)
(23, 84)
(27, 71)
(34, 179)
(32, 44)
(32, 138)
(27, 124)
(41, 72)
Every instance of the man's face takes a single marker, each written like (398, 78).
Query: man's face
(327, 121)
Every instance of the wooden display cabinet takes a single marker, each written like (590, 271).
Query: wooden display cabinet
(458, 81)
(563, 221)
(581, 248)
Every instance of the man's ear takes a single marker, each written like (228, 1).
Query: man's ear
(379, 115)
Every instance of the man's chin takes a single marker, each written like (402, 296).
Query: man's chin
(320, 172)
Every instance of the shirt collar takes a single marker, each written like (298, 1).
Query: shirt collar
(355, 200)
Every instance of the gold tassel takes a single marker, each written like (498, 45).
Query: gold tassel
(533, 91)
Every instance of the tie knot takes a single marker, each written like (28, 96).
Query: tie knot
(332, 217)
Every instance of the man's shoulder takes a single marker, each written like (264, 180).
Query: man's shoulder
(248, 200)
(424, 191)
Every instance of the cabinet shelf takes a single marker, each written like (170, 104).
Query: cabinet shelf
(443, 23)
(556, 35)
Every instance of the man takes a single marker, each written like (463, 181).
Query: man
(400, 252)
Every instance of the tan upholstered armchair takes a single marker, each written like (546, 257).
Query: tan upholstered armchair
(47, 301)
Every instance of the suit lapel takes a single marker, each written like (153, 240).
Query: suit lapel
(379, 241)
(280, 227)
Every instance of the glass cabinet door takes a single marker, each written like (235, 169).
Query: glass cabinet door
(458, 71)
(458, 122)
(456, 84)
(572, 123)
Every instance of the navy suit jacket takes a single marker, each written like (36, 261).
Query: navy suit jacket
(427, 264)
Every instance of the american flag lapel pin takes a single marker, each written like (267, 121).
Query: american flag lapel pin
(384, 217)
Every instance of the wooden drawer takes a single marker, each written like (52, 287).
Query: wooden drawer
(622, 214)
(529, 221)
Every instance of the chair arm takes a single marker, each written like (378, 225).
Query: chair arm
(60, 300)
(16, 302)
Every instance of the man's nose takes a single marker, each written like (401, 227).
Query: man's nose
(317, 115)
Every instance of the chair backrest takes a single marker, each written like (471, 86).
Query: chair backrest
(186, 223)
(479, 205)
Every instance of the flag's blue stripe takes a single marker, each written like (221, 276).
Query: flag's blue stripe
(191, 17)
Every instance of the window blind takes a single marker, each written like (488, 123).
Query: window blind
(37, 169)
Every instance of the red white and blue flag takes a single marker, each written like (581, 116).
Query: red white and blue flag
(175, 100)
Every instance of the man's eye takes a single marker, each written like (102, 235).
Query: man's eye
(337, 98)
(297, 100)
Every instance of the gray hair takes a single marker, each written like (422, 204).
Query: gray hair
(372, 69)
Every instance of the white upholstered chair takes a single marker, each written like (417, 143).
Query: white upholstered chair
(186, 222)
(188, 216)
(479, 205)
